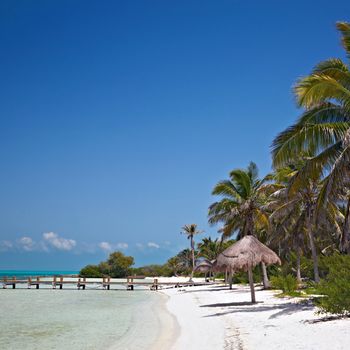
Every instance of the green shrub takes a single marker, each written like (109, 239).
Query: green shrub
(288, 284)
(241, 277)
(92, 271)
(335, 286)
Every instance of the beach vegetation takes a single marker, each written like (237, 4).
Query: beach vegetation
(117, 265)
(287, 284)
(335, 287)
(92, 271)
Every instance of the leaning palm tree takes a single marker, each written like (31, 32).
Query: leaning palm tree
(323, 132)
(241, 207)
(191, 230)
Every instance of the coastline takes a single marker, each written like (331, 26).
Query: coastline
(169, 327)
(214, 317)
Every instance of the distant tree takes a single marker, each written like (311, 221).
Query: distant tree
(174, 264)
(191, 230)
(185, 260)
(119, 264)
(90, 271)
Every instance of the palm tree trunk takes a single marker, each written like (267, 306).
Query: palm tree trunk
(298, 264)
(313, 247)
(192, 250)
(251, 284)
(344, 245)
(266, 281)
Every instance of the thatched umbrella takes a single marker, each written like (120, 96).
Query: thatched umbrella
(244, 255)
(204, 266)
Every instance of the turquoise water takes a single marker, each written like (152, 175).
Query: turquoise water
(32, 273)
(75, 319)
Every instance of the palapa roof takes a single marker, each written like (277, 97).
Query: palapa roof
(247, 252)
(203, 266)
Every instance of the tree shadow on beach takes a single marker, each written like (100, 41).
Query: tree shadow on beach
(209, 289)
(237, 307)
(327, 319)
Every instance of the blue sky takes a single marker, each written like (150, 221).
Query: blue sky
(118, 117)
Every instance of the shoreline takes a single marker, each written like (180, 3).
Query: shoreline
(214, 317)
(169, 327)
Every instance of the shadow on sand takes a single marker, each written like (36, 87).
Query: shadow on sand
(281, 309)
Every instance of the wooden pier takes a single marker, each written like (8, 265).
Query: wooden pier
(93, 283)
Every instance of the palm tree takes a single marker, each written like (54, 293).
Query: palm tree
(293, 214)
(191, 230)
(241, 207)
(323, 132)
(209, 248)
(174, 264)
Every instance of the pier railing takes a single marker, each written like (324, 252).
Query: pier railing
(94, 283)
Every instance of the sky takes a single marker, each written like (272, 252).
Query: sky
(119, 117)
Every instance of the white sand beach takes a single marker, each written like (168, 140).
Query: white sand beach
(214, 317)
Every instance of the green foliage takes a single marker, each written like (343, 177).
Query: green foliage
(117, 265)
(241, 277)
(288, 284)
(152, 270)
(90, 271)
(336, 286)
(241, 207)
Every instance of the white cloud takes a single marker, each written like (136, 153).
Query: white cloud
(107, 247)
(153, 245)
(59, 242)
(26, 243)
(5, 246)
(122, 245)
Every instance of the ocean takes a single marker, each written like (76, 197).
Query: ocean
(82, 319)
(33, 273)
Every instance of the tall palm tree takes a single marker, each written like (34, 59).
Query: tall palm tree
(323, 132)
(191, 230)
(241, 208)
(293, 214)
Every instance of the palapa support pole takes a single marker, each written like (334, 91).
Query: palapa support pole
(230, 279)
(251, 284)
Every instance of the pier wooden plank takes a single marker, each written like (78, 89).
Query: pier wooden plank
(130, 282)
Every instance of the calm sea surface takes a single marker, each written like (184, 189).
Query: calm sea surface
(79, 319)
(32, 273)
